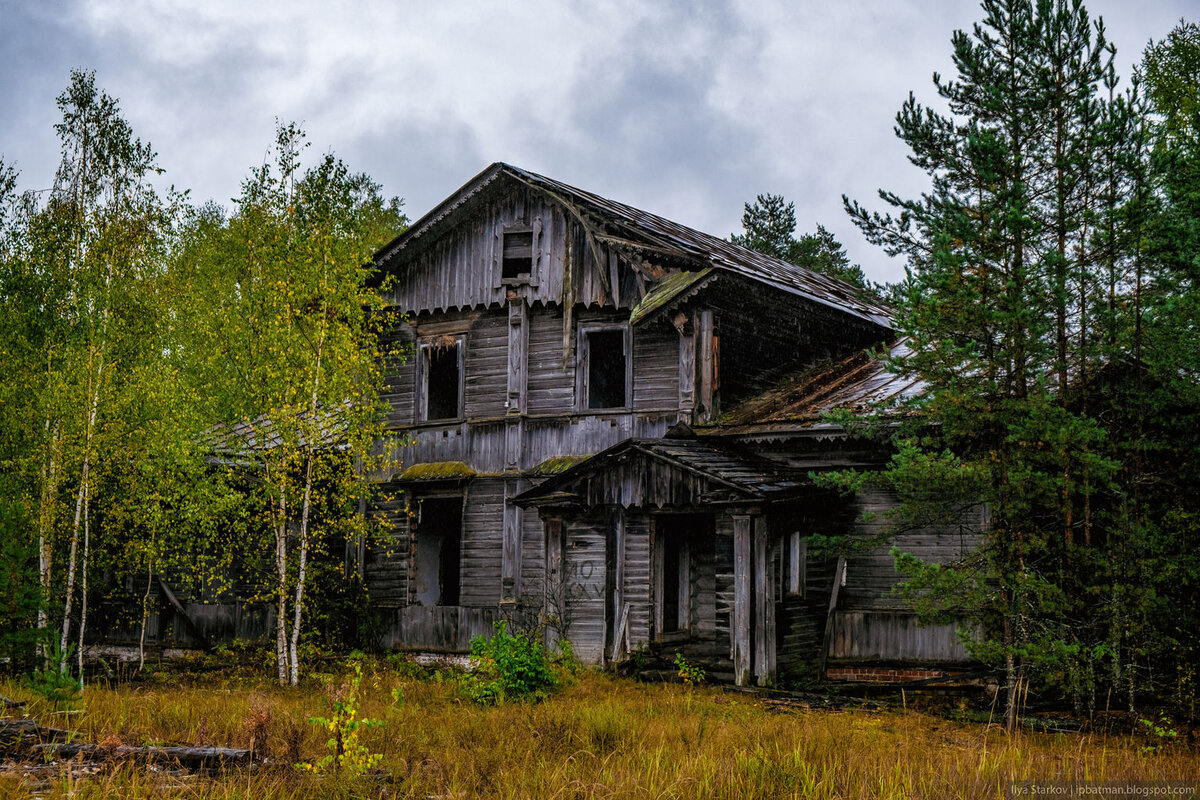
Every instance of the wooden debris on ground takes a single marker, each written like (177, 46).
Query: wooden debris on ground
(26, 738)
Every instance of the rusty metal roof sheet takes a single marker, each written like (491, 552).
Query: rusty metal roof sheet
(627, 227)
(862, 383)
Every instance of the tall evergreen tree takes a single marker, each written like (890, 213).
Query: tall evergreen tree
(1000, 307)
(769, 226)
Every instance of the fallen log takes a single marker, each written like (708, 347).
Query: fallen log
(190, 757)
(18, 730)
(9, 703)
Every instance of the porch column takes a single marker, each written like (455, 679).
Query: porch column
(555, 601)
(739, 625)
(617, 621)
(764, 606)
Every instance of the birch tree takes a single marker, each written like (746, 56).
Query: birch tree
(292, 355)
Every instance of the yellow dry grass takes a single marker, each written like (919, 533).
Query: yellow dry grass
(598, 738)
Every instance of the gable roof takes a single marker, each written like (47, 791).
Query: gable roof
(668, 472)
(623, 227)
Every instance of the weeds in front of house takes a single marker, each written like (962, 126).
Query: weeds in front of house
(509, 666)
(690, 673)
(348, 755)
(597, 736)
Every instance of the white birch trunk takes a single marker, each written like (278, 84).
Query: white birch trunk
(300, 573)
(45, 531)
(281, 652)
(80, 502)
(83, 589)
(312, 437)
(145, 611)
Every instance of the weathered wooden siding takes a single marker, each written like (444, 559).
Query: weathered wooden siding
(723, 587)
(645, 482)
(462, 268)
(871, 576)
(533, 560)
(486, 366)
(551, 383)
(483, 530)
(388, 553)
(399, 371)
(448, 629)
(638, 579)
(893, 636)
(585, 588)
(656, 367)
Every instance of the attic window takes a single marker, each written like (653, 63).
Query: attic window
(518, 256)
(442, 366)
(606, 368)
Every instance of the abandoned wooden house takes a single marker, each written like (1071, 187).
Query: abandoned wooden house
(612, 421)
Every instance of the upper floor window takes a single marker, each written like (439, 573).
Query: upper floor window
(605, 367)
(440, 380)
(517, 260)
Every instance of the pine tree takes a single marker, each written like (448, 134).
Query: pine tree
(769, 226)
(999, 305)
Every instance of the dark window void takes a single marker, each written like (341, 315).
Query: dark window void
(683, 562)
(518, 255)
(606, 369)
(438, 553)
(442, 383)
(672, 583)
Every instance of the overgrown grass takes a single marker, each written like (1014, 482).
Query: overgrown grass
(600, 737)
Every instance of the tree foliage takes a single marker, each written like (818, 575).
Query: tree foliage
(176, 377)
(769, 226)
(1038, 316)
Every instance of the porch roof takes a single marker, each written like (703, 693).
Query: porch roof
(668, 472)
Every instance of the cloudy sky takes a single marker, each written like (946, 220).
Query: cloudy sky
(683, 109)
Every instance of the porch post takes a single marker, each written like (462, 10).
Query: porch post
(764, 606)
(739, 628)
(616, 531)
(555, 602)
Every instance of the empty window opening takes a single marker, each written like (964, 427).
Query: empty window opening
(606, 369)
(518, 255)
(674, 585)
(682, 563)
(439, 552)
(442, 382)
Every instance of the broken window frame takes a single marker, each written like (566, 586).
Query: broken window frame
(425, 347)
(584, 369)
(417, 505)
(669, 536)
(520, 277)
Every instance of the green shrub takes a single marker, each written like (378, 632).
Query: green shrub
(60, 690)
(691, 673)
(348, 754)
(510, 667)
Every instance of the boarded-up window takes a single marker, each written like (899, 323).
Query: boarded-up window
(517, 261)
(606, 369)
(438, 552)
(443, 381)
